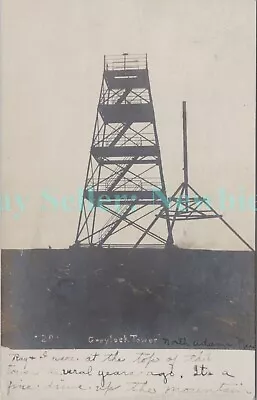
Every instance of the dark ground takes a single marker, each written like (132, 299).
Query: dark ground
(59, 298)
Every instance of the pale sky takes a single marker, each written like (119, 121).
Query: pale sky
(201, 51)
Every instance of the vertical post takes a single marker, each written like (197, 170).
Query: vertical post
(185, 152)
(125, 57)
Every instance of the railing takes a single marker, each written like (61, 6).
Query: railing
(136, 184)
(130, 99)
(125, 61)
(129, 141)
(121, 97)
(141, 137)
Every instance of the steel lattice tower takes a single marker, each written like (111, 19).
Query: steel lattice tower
(125, 169)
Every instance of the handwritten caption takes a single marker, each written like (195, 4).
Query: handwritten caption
(123, 373)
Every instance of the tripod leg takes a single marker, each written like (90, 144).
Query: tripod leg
(224, 221)
(170, 237)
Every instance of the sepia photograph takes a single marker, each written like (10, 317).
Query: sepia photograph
(128, 179)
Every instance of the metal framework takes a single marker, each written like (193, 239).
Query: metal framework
(124, 176)
(186, 204)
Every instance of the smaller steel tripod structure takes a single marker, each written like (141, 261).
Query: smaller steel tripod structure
(186, 203)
